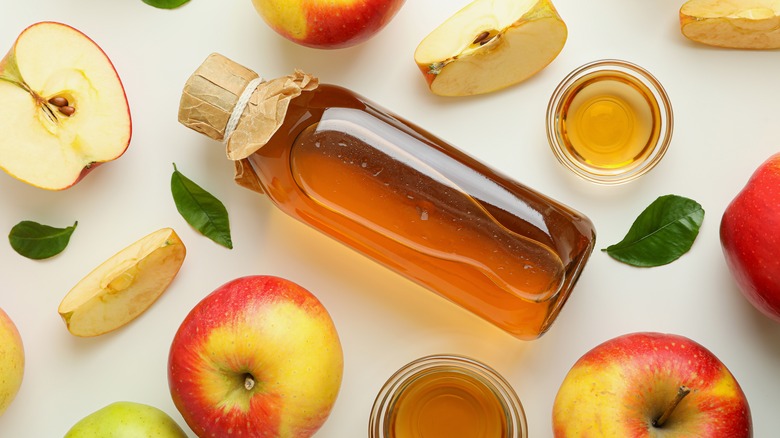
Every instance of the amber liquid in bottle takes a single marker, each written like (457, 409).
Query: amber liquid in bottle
(447, 404)
(401, 196)
(609, 121)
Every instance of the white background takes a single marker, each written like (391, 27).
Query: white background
(726, 112)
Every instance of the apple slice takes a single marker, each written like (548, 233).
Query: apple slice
(64, 107)
(489, 45)
(123, 286)
(736, 24)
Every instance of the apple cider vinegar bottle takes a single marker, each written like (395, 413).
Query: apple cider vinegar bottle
(394, 192)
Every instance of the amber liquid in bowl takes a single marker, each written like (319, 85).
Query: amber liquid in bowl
(447, 404)
(445, 396)
(609, 121)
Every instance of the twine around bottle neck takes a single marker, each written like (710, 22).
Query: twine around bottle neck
(241, 104)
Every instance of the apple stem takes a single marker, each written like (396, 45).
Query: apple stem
(249, 382)
(681, 393)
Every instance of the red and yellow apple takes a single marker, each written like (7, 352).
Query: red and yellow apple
(489, 45)
(737, 24)
(11, 361)
(650, 384)
(750, 238)
(259, 356)
(64, 109)
(327, 25)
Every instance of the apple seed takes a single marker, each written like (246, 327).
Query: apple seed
(67, 110)
(484, 37)
(481, 38)
(58, 101)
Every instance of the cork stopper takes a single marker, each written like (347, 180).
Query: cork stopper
(211, 94)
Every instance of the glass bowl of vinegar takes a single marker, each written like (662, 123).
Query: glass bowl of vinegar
(609, 121)
(446, 396)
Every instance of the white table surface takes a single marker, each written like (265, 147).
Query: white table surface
(725, 104)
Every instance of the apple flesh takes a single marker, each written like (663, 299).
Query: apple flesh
(738, 24)
(327, 25)
(126, 419)
(64, 107)
(489, 45)
(750, 238)
(11, 361)
(259, 356)
(650, 384)
(124, 286)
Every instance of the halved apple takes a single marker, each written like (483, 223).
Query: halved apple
(64, 108)
(123, 286)
(489, 45)
(736, 24)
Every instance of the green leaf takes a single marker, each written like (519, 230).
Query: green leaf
(201, 209)
(165, 4)
(661, 234)
(35, 241)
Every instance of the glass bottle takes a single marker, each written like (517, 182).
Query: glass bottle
(396, 193)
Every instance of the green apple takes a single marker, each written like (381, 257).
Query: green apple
(259, 356)
(11, 361)
(64, 109)
(650, 385)
(127, 420)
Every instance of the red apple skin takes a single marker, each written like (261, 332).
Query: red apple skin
(750, 238)
(267, 327)
(328, 25)
(619, 387)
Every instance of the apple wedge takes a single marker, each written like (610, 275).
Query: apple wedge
(64, 107)
(123, 286)
(489, 45)
(736, 24)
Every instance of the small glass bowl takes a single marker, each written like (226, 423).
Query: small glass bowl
(435, 371)
(609, 121)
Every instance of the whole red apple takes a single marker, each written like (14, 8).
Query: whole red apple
(327, 25)
(258, 357)
(649, 384)
(750, 238)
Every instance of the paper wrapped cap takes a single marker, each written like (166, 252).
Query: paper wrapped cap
(210, 96)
